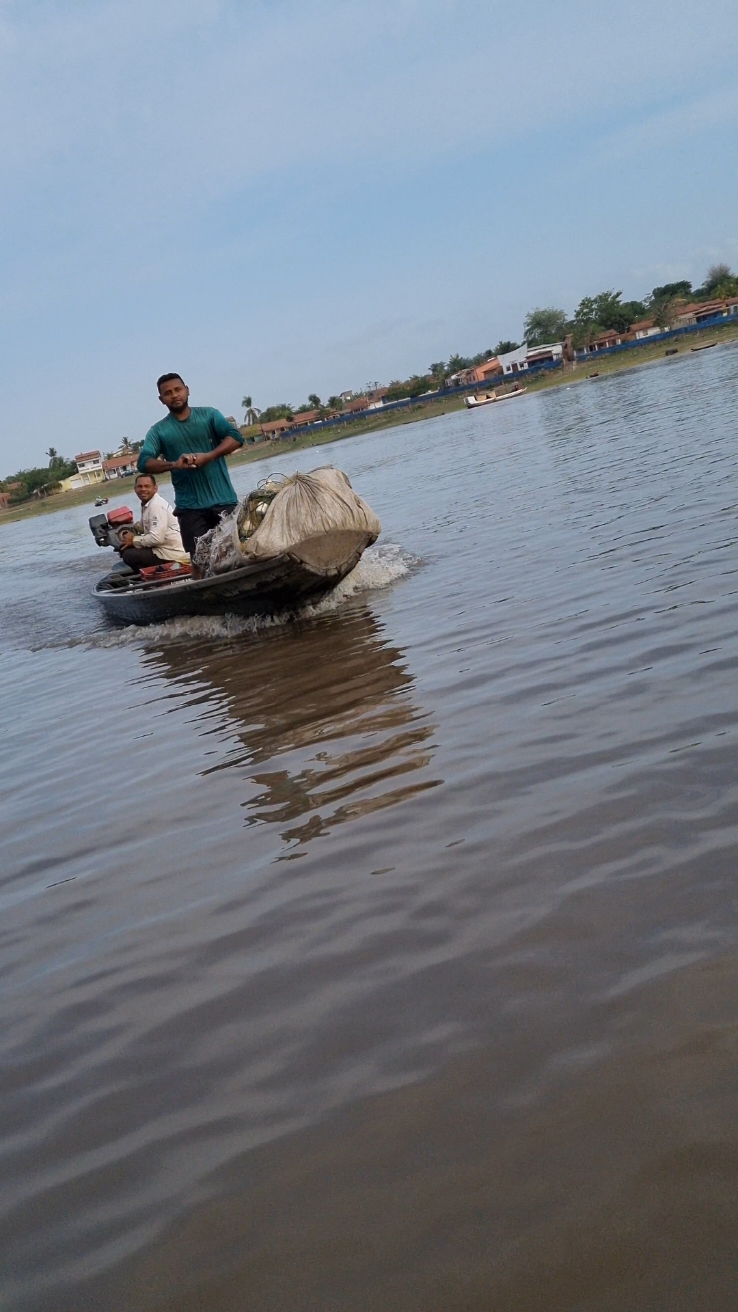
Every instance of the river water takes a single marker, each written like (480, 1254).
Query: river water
(387, 957)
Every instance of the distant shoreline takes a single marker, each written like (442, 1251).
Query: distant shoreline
(579, 372)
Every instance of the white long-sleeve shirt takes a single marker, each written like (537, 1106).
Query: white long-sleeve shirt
(160, 531)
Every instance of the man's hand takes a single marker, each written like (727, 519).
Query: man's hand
(125, 537)
(185, 461)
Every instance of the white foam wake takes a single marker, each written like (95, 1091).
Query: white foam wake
(378, 568)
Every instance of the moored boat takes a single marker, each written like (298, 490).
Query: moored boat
(473, 402)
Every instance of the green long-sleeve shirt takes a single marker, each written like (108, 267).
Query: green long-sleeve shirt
(205, 428)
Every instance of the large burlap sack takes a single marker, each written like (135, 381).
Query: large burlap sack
(306, 506)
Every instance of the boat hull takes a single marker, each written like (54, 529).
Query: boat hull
(474, 402)
(266, 587)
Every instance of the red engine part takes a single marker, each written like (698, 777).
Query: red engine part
(118, 517)
(169, 569)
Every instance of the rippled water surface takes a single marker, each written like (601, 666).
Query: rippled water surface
(385, 958)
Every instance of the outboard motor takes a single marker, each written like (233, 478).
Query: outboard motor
(103, 527)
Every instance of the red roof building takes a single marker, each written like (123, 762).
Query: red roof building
(607, 339)
(698, 311)
(487, 370)
(305, 417)
(275, 428)
(119, 466)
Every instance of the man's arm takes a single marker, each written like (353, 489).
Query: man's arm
(223, 448)
(150, 459)
(155, 465)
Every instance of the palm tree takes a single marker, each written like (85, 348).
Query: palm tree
(252, 415)
(54, 458)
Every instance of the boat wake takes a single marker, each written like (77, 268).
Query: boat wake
(378, 568)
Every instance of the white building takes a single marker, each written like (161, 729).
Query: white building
(514, 361)
(89, 470)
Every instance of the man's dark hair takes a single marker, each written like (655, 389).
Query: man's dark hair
(167, 378)
(138, 478)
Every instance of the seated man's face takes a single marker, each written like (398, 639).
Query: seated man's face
(145, 489)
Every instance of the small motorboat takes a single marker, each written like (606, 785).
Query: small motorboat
(257, 581)
(706, 347)
(101, 501)
(473, 402)
(264, 587)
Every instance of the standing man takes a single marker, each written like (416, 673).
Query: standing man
(192, 444)
(156, 537)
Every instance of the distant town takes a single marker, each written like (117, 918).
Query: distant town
(601, 326)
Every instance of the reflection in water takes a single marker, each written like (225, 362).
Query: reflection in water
(475, 1051)
(325, 713)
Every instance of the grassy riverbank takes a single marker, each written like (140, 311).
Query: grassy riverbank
(422, 409)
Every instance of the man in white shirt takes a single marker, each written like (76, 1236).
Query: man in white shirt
(157, 536)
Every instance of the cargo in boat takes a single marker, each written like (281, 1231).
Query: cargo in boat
(289, 542)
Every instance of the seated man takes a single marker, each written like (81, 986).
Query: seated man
(157, 536)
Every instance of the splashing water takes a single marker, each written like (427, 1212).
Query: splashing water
(378, 568)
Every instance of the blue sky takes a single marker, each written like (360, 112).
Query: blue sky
(286, 197)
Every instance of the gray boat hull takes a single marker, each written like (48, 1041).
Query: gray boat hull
(265, 587)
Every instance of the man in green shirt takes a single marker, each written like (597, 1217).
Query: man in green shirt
(192, 444)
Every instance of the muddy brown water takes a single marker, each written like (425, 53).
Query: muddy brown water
(387, 958)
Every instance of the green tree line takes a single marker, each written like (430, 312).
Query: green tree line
(593, 316)
(597, 314)
(40, 481)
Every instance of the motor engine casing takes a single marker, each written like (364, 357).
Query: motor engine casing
(104, 527)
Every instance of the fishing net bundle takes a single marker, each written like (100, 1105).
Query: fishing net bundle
(222, 548)
(282, 513)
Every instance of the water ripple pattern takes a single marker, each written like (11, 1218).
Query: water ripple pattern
(390, 948)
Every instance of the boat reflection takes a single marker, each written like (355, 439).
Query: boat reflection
(325, 712)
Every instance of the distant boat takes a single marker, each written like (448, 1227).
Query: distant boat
(595, 374)
(473, 402)
(101, 501)
(674, 351)
(706, 346)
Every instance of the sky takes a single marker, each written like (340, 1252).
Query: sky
(277, 197)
